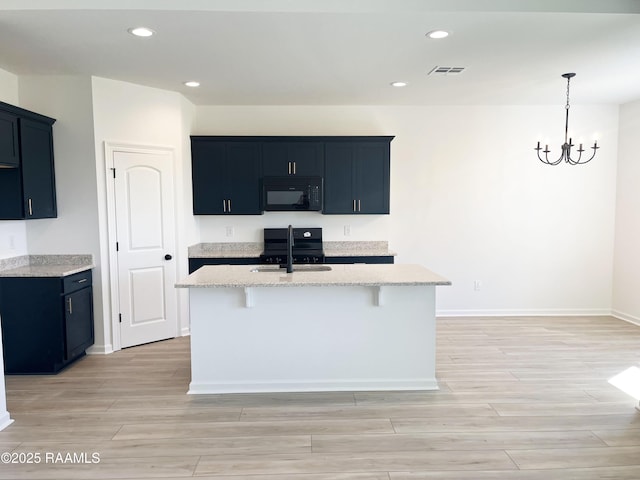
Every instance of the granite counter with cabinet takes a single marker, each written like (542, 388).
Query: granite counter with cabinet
(46, 307)
(322, 327)
(248, 253)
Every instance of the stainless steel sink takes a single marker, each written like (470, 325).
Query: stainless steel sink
(296, 268)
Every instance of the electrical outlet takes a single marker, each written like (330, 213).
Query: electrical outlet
(347, 230)
(477, 285)
(229, 231)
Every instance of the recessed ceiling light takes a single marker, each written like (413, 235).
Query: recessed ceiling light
(398, 84)
(141, 31)
(192, 84)
(438, 34)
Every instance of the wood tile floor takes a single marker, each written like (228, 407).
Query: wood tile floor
(521, 398)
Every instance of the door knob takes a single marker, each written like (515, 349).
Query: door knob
(168, 257)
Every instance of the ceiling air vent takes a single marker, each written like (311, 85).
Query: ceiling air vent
(446, 71)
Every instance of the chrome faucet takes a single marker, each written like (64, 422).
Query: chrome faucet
(290, 250)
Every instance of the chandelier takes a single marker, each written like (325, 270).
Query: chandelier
(568, 145)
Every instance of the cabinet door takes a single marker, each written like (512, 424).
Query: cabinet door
(243, 170)
(302, 158)
(275, 160)
(208, 170)
(32, 331)
(371, 178)
(9, 154)
(78, 319)
(338, 178)
(38, 179)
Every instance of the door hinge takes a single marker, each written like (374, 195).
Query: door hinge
(114, 172)
(117, 247)
(120, 317)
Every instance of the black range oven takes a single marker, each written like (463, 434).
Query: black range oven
(307, 246)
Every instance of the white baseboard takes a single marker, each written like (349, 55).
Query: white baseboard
(332, 385)
(100, 350)
(5, 420)
(596, 312)
(626, 317)
(185, 332)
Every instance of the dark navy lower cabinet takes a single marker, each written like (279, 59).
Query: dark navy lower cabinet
(47, 322)
(196, 262)
(360, 259)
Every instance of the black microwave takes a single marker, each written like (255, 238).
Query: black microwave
(292, 193)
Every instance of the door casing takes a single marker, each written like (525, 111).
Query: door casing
(110, 149)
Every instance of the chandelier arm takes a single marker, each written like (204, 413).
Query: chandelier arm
(565, 154)
(593, 155)
(579, 162)
(546, 158)
(571, 161)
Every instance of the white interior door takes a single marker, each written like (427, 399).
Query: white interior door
(144, 211)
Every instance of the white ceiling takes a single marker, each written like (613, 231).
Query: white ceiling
(331, 52)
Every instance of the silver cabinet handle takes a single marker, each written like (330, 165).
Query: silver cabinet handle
(359, 209)
(30, 207)
(289, 168)
(294, 168)
(82, 280)
(70, 306)
(229, 203)
(354, 205)
(224, 206)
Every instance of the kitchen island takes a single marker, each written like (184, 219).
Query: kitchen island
(345, 327)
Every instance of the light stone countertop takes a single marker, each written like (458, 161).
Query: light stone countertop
(254, 249)
(45, 265)
(226, 250)
(225, 276)
(357, 249)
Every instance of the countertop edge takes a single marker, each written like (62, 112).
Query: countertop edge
(351, 275)
(45, 266)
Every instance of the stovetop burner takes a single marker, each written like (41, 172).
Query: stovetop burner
(307, 246)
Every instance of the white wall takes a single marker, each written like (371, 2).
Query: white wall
(13, 234)
(8, 87)
(132, 114)
(469, 199)
(75, 230)
(626, 298)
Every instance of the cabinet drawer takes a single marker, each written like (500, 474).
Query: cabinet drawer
(76, 281)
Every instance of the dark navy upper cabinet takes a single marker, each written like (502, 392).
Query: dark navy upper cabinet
(303, 156)
(9, 147)
(227, 171)
(356, 178)
(27, 183)
(38, 176)
(225, 176)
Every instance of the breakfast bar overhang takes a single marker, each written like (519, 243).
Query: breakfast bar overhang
(339, 328)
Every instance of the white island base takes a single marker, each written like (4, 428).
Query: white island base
(312, 338)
